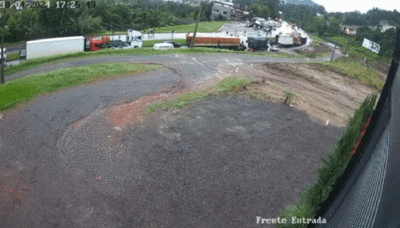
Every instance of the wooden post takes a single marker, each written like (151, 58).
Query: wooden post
(197, 23)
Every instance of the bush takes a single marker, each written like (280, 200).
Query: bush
(334, 164)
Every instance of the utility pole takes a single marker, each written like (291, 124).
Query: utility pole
(2, 53)
(347, 45)
(197, 23)
(2, 56)
(335, 44)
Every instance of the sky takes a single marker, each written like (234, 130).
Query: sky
(361, 5)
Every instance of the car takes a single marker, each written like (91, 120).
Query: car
(176, 45)
(163, 46)
(274, 48)
(22, 54)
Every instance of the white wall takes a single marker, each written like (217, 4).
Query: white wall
(49, 47)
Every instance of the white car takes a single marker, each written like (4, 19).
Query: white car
(274, 48)
(163, 46)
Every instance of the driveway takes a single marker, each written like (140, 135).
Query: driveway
(89, 157)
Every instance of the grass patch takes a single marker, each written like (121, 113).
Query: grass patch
(289, 95)
(333, 167)
(22, 90)
(13, 56)
(232, 83)
(12, 44)
(316, 40)
(209, 26)
(356, 69)
(106, 32)
(150, 43)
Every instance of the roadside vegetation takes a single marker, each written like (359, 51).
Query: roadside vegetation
(12, 56)
(209, 26)
(356, 69)
(229, 84)
(23, 90)
(334, 164)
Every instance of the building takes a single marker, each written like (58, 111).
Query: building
(228, 10)
(351, 30)
(386, 27)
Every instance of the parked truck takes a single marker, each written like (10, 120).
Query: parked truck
(54, 46)
(66, 45)
(257, 43)
(284, 40)
(215, 41)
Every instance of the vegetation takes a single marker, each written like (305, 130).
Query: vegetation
(26, 89)
(289, 96)
(12, 56)
(356, 69)
(228, 84)
(334, 164)
(36, 23)
(202, 27)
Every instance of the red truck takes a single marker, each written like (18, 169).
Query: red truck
(98, 43)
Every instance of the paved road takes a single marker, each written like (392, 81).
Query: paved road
(31, 158)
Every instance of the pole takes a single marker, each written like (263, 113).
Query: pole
(347, 44)
(2, 56)
(197, 23)
(335, 45)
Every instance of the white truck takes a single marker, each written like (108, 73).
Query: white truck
(135, 38)
(285, 40)
(132, 39)
(54, 46)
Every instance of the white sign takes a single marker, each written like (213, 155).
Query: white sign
(374, 47)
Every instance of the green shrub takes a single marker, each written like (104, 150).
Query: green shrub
(334, 164)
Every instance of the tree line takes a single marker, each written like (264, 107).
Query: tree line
(329, 25)
(36, 23)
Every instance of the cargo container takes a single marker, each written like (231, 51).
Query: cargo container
(55, 46)
(67, 45)
(214, 41)
(257, 43)
(285, 40)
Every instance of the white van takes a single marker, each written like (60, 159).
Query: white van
(163, 46)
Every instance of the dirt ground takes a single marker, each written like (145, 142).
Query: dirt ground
(222, 161)
(324, 95)
(217, 163)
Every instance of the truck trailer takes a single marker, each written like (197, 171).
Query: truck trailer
(54, 46)
(66, 45)
(257, 43)
(215, 41)
(284, 40)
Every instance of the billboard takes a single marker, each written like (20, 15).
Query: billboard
(374, 47)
